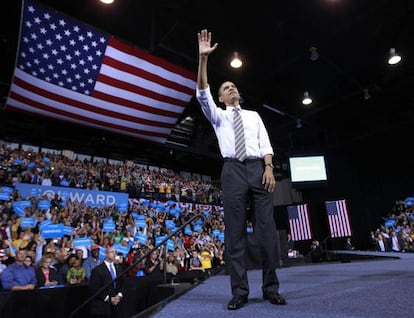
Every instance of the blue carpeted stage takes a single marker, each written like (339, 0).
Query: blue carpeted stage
(352, 284)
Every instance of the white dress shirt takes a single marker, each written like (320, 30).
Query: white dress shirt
(257, 139)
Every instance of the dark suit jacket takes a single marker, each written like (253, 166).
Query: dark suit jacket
(101, 276)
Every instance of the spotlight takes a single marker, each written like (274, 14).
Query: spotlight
(236, 61)
(107, 1)
(394, 57)
(307, 100)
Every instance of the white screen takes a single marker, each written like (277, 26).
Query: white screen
(310, 168)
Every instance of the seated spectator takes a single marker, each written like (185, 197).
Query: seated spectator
(18, 276)
(45, 274)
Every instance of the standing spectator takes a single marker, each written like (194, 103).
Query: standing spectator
(19, 276)
(45, 274)
(92, 261)
(105, 304)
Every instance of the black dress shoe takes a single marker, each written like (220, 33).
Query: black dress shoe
(237, 302)
(275, 298)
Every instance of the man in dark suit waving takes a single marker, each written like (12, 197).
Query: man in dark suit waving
(107, 301)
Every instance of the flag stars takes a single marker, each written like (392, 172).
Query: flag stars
(68, 57)
(55, 75)
(98, 53)
(31, 9)
(72, 42)
(36, 61)
(62, 22)
(58, 37)
(63, 48)
(37, 20)
(74, 88)
(47, 79)
(46, 16)
(68, 33)
(45, 56)
(81, 38)
(28, 24)
(54, 52)
(86, 71)
(53, 26)
(89, 34)
(73, 66)
(40, 46)
(33, 36)
(76, 28)
(86, 47)
(59, 61)
(49, 42)
(25, 39)
(43, 31)
(50, 67)
(31, 50)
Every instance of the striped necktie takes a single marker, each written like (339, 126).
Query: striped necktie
(240, 143)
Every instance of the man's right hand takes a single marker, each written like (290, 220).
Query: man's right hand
(204, 43)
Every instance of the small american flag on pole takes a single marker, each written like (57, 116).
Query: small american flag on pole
(338, 218)
(69, 71)
(299, 222)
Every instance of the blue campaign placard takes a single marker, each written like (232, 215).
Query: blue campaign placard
(82, 241)
(52, 231)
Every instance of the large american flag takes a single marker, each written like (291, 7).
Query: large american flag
(299, 222)
(338, 218)
(69, 71)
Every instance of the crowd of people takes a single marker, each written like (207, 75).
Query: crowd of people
(27, 260)
(396, 232)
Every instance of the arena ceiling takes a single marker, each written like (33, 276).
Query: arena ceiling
(357, 96)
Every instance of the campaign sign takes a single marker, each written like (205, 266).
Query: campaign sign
(52, 231)
(121, 249)
(170, 245)
(81, 241)
(67, 230)
(44, 223)
(159, 239)
(28, 222)
(140, 237)
(109, 226)
(92, 198)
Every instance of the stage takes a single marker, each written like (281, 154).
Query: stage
(352, 284)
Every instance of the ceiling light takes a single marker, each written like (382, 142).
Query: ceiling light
(394, 57)
(306, 99)
(107, 1)
(236, 61)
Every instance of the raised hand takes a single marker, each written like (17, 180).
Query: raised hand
(204, 43)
